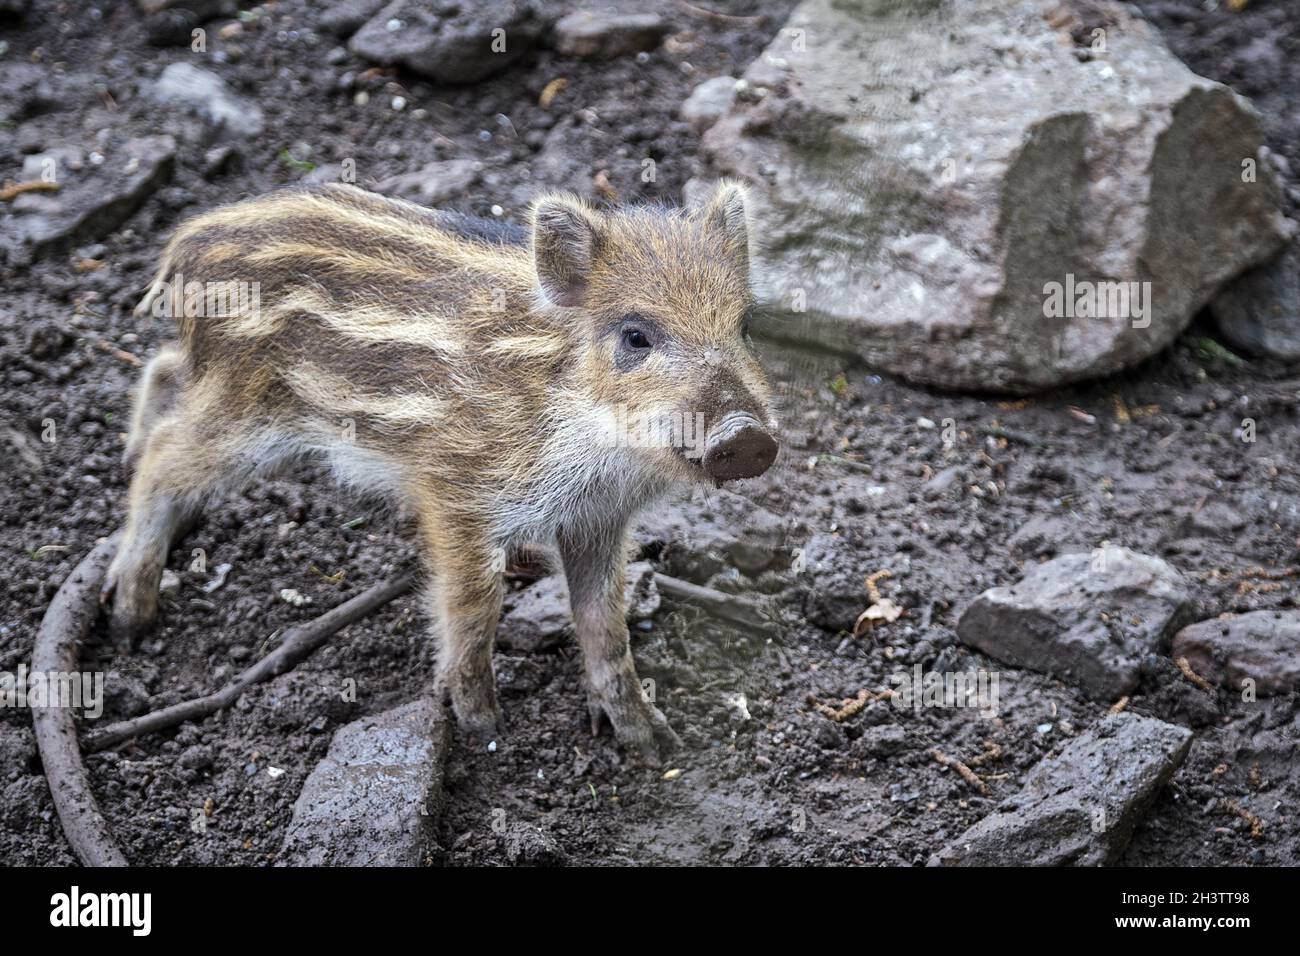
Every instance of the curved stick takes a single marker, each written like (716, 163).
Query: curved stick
(733, 607)
(66, 621)
(299, 641)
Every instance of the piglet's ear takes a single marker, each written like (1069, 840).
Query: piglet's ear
(566, 234)
(724, 212)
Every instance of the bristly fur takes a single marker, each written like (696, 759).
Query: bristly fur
(448, 364)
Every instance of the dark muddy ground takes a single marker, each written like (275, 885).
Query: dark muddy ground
(782, 785)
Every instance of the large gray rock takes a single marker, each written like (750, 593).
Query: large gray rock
(1080, 807)
(1259, 312)
(92, 198)
(208, 95)
(450, 43)
(374, 799)
(1088, 618)
(934, 180)
(1261, 646)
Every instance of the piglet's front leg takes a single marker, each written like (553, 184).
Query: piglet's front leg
(596, 570)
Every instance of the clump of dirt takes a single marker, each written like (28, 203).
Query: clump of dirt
(874, 474)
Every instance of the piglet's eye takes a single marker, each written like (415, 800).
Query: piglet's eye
(635, 339)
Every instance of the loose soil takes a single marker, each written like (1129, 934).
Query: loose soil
(1150, 459)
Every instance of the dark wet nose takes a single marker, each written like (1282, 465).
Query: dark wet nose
(738, 447)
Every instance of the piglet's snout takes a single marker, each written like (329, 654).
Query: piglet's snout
(738, 447)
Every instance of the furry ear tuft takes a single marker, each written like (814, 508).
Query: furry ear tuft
(725, 212)
(566, 233)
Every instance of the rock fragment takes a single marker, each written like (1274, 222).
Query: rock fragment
(1088, 618)
(375, 797)
(92, 199)
(606, 34)
(541, 617)
(1080, 807)
(1260, 647)
(450, 43)
(207, 94)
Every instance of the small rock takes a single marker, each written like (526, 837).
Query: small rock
(215, 160)
(450, 43)
(345, 17)
(1089, 618)
(47, 340)
(30, 139)
(942, 480)
(92, 200)
(209, 96)
(709, 102)
(751, 556)
(197, 757)
(1080, 807)
(835, 595)
(880, 741)
(539, 619)
(170, 585)
(294, 596)
(170, 27)
(541, 616)
(1041, 535)
(1259, 312)
(608, 34)
(125, 695)
(1261, 646)
(434, 183)
(530, 845)
(375, 797)
(325, 173)
(1215, 519)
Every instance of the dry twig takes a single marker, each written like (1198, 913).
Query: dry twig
(12, 191)
(717, 17)
(992, 751)
(122, 355)
(849, 705)
(965, 772)
(299, 641)
(733, 607)
(1192, 676)
(1256, 824)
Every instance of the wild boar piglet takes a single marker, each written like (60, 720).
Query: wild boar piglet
(510, 385)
